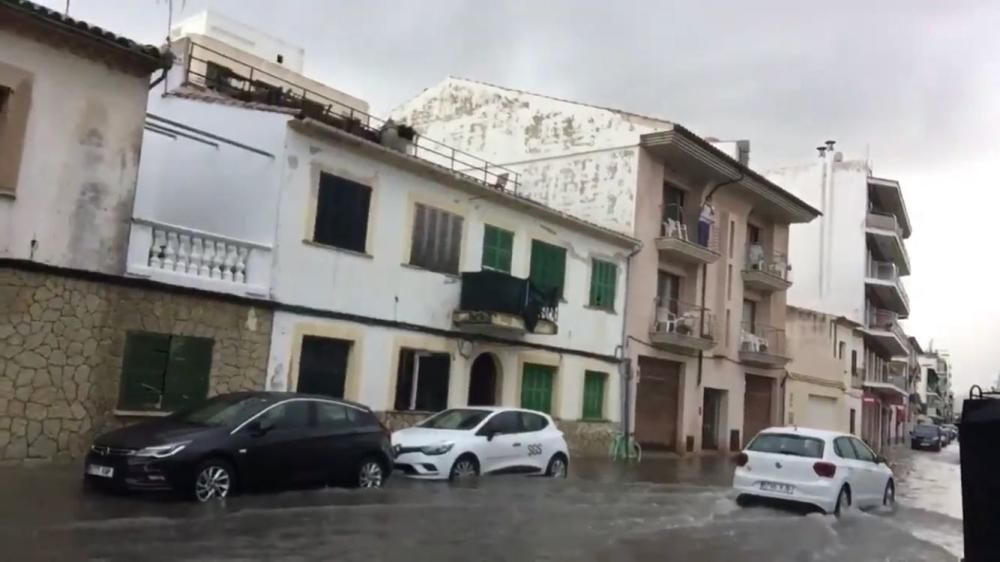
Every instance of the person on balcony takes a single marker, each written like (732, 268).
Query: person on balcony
(705, 221)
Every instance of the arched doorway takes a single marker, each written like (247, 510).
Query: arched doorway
(484, 381)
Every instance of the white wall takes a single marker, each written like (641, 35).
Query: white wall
(80, 159)
(830, 253)
(217, 26)
(383, 285)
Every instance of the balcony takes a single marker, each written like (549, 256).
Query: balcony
(191, 258)
(497, 303)
(883, 283)
(885, 235)
(220, 74)
(763, 346)
(683, 328)
(882, 331)
(766, 270)
(889, 380)
(675, 243)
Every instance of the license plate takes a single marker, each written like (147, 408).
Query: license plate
(102, 471)
(776, 487)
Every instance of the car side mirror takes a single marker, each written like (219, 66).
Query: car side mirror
(489, 434)
(257, 428)
(881, 460)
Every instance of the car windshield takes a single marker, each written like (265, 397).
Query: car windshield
(456, 419)
(925, 430)
(221, 411)
(787, 444)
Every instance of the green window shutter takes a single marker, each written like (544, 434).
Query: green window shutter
(188, 371)
(143, 366)
(498, 248)
(593, 395)
(548, 266)
(536, 387)
(603, 276)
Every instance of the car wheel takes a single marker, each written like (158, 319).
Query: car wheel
(889, 496)
(558, 466)
(843, 501)
(371, 474)
(464, 468)
(744, 500)
(214, 479)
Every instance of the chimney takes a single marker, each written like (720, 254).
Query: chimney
(822, 150)
(743, 151)
(829, 145)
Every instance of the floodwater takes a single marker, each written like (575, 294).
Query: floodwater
(663, 509)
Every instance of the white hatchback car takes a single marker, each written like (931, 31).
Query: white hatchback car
(466, 442)
(830, 470)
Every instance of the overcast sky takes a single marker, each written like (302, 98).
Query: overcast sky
(912, 82)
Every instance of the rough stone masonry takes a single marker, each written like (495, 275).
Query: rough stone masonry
(62, 341)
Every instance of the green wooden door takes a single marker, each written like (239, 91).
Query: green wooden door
(143, 368)
(536, 387)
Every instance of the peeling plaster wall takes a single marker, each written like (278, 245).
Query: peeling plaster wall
(577, 158)
(81, 155)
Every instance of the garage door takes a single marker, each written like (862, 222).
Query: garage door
(757, 406)
(656, 403)
(821, 413)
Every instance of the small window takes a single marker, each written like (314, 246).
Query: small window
(787, 444)
(498, 248)
(603, 277)
(732, 235)
(333, 416)
(342, 213)
(323, 366)
(548, 266)
(729, 282)
(841, 348)
(536, 387)
(854, 365)
(749, 316)
(427, 389)
(437, 239)
(753, 234)
(593, 395)
(287, 416)
(533, 422)
(280, 58)
(164, 372)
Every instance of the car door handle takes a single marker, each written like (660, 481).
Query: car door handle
(517, 444)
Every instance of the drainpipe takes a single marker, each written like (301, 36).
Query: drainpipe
(704, 274)
(624, 367)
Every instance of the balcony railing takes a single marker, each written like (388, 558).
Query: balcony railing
(759, 338)
(497, 292)
(883, 221)
(683, 319)
(886, 271)
(886, 320)
(763, 259)
(236, 79)
(676, 226)
(193, 258)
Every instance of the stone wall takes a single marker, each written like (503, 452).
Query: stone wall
(62, 340)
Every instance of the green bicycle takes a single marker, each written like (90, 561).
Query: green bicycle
(618, 450)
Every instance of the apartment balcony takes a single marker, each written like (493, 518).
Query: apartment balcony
(497, 303)
(763, 346)
(677, 244)
(219, 74)
(889, 381)
(883, 332)
(682, 328)
(191, 258)
(766, 270)
(885, 235)
(882, 282)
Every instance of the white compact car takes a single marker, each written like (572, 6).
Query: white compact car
(466, 442)
(830, 470)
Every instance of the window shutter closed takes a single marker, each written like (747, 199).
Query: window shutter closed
(143, 367)
(188, 370)
(437, 239)
(548, 266)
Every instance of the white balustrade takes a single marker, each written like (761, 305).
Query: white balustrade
(198, 256)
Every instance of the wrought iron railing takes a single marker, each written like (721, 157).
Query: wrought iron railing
(673, 316)
(495, 291)
(760, 338)
(233, 78)
(766, 260)
(676, 225)
(879, 319)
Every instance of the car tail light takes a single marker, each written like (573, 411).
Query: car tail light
(741, 459)
(825, 469)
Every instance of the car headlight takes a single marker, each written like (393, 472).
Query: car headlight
(161, 451)
(438, 449)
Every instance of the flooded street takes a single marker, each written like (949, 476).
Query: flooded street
(663, 509)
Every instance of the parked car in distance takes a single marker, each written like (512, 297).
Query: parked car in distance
(467, 442)
(927, 436)
(245, 441)
(952, 432)
(825, 469)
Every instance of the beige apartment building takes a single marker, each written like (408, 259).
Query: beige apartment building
(704, 340)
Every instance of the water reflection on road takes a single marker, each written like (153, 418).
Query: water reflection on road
(660, 510)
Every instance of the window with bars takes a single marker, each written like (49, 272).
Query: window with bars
(342, 213)
(498, 248)
(437, 239)
(603, 276)
(548, 266)
(163, 372)
(593, 395)
(536, 387)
